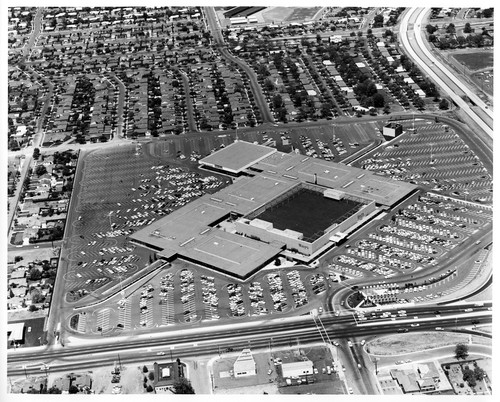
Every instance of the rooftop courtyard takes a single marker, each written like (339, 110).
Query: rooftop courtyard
(309, 212)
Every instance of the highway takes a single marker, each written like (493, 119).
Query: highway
(411, 37)
(203, 341)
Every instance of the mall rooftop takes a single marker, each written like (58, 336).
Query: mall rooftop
(191, 232)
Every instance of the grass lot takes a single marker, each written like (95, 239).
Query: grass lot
(408, 343)
(475, 61)
(40, 254)
(277, 14)
(303, 13)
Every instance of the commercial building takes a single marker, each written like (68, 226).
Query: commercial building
(244, 364)
(166, 374)
(278, 204)
(297, 369)
(15, 333)
(392, 130)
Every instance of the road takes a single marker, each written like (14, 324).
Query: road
(37, 25)
(468, 249)
(13, 206)
(207, 340)
(259, 98)
(411, 39)
(189, 102)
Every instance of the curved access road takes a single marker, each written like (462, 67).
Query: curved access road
(410, 33)
(260, 99)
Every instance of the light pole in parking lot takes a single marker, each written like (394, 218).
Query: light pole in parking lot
(110, 224)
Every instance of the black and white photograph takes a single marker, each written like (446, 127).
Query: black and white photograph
(292, 199)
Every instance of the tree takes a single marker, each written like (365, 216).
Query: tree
(378, 100)
(431, 28)
(36, 153)
(378, 21)
(443, 105)
(40, 170)
(73, 390)
(461, 351)
(488, 12)
(419, 103)
(54, 390)
(151, 375)
(467, 28)
(144, 369)
(32, 308)
(37, 298)
(34, 274)
(183, 386)
(149, 388)
(277, 101)
(468, 376)
(479, 373)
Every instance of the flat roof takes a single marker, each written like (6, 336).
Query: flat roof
(348, 179)
(237, 156)
(188, 232)
(16, 331)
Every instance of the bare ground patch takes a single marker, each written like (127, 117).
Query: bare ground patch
(408, 343)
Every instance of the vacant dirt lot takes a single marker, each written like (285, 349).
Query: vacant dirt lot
(407, 343)
(131, 380)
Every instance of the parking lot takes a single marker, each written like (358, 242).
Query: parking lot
(120, 192)
(417, 235)
(184, 294)
(436, 158)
